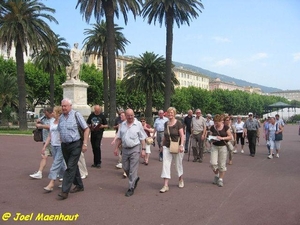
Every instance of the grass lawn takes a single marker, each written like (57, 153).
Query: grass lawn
(9, 130)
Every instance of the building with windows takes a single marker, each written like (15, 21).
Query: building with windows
(12, 53)
(288, 94)
(218, 84)
(188, 78)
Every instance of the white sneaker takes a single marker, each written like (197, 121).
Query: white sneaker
(84, 176)
(242, 151)
(181, 184)
(235, 151)
(60, 179)
(119, 165)
(270, 157)
(277, 155)
(36, 175)
(60, 186)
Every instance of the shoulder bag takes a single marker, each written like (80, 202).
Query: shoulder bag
(38, 135)
(174, 145)
(228, 144)
(80, 130)
(278, 137)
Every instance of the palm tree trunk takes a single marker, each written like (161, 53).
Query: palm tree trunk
(109, 15)
(169, 47)
(105, 82)
(21, 87)
(51, 88)
(148, 111)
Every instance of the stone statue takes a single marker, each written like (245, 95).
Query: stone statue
(74, 69)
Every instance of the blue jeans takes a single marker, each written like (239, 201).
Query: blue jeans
(187, 138)
(58, 166)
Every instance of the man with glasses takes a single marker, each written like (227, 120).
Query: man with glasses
(198, 127)
(250, 131)
(159, 128)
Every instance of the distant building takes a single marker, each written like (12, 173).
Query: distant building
(288, 94)
(12, 53)
(188, 78)
(218, 84)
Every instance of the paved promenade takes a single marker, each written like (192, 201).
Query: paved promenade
(257, 191)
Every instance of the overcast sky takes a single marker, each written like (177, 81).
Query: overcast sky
(255, 40)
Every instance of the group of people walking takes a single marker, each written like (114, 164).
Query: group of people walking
(134, 138)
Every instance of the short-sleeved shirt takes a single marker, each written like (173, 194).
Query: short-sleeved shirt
(44, 120)
(159, 124)
(68, 128)
(187, 122)
(174, 133)
(251, 124)
(198, 124)
(131, 136)
(96, 120)
(55, 136)
(221, 133)
(239, 127)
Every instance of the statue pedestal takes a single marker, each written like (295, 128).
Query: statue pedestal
(76, 90)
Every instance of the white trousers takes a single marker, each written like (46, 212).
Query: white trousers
(167, 161)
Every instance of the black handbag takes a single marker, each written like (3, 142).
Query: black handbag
(38, 135)
(278, 137)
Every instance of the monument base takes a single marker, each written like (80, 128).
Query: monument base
(76, 90)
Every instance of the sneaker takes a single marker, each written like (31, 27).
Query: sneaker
(164, 189)
(83, 176)
(124, 175)
(270, 157)
(242, 151)
(119, 165)
(60, 186)
(216, 180)
(60, 179)
(160, 159)
(235, 151)
(36, 175)
(277, 155)
(181, 184)
(220, 183)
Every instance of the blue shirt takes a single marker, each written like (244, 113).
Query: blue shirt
(159, 124)
(131, 136)
(68, 128)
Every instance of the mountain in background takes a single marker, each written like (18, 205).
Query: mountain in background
(225, 78)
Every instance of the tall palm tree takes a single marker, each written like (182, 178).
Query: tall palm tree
(96, 42)
(170, 11)
(109, 8)
(53, 59)
(147, 74)
(22, 23)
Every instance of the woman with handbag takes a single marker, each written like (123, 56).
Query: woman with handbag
(218, 155)
(274, 137)
(173, 148)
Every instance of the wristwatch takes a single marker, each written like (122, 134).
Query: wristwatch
(85, 145)
(143, 148)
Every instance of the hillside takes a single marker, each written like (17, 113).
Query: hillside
(225, 78)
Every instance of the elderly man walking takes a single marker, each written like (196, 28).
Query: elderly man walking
(198, 127)
(131, 135)
(159, 127)
(250, 131)
(72, 145)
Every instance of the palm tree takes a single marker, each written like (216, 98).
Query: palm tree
(22, 23)
(52, 59)
(8, 90)
(178, 11)
(96, 42)
(147, 74)
(109, 8)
